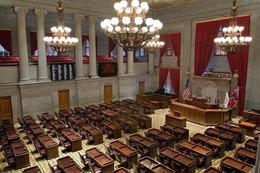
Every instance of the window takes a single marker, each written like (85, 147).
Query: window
(141, 52)
(86, 48)
(3, 52)
(168, 85)
(114, 52)
(217, 50)
(49, 52)
(169, 51)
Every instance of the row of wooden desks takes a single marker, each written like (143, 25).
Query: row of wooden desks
(126, 122)
(143, 121)
(58, 125)
(177, 161)
(21, 154)
(229, 164)
(29, 120)
(64, 113)
(125, 150)
(7, 124)
(162, 138)
(153, 166)
(50, 145)
(94, 118)
(48, 117)
(229, 139)
(109, 115)
(74, 138)
(36, 130)
(97, 134)
(201, 155)
(68, 165)
(34, 169)
(246, 155)
(239, 132)
(149, 144)
(78, 122)
(251, 144)
(105, 163)
(179, 133)
(112, 126)
(12, 135)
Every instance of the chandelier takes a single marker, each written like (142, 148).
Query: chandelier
(233, 41)
(61, 41)
(154, 45)
(128, 29)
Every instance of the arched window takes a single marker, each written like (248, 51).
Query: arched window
(217, 50)
(3, 52)
(86, 48)
(169, 51)
(168, 85)
(49, 52)
(114, 52)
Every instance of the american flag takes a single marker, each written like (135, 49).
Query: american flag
(186, 91)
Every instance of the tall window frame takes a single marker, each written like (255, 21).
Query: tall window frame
(86, 48)
(217, 50)
(3, 51)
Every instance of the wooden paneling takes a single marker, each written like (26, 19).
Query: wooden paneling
(5, 108)
(141, 87)
(64, 100)
(108, 94)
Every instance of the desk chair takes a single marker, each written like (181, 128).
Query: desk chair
(199, 159)
(85, 160)
(121, 159)
(178, 167)
(162, 143)
(94, 168)
(165, 160)
(54, 168)
(168, 131)
(90, 138)
(137, 169)
(109, 151)
(143, 150)
(110, 133)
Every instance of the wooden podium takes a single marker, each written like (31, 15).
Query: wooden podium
(175, 119)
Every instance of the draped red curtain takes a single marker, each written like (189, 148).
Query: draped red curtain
(175, 78)
(6, 40)
(162, 77)
(33, 37)
(111, 46)
(204, 44)
(165, 38)
(176, 45)
(239, 60)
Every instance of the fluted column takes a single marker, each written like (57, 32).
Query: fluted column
(130, 62)
(120, 61)
(22, 44)
(151, 63)
(92, 47)
(78, 34)
(42, 62)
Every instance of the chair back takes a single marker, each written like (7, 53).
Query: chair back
(135, 168)
(118, 157)
(127, 141)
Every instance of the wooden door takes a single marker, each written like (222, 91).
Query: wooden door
(5, 108)
(108, 95)
(64, 100)
(141, 87)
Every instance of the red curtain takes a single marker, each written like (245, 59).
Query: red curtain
(33, 37)
(165, 38)
(204, 44)
(162, 77)
(84, 38)
(239, 60)
(111, 46)
(175, 78)
(176, 45)
(6, 40)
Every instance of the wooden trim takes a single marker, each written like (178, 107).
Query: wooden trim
(169, 68)
(171, 33)
(5, 29)
(221, 18)
(46, 31)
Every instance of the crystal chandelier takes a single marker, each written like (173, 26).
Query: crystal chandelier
(154, 45)
(128, 29)
(233, 41)
(61, 41)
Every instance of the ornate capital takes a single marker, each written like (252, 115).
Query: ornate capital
(79, 17)
(92, 19)
(20, 10)
(40, 12)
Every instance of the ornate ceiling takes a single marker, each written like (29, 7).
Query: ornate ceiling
(160, 5)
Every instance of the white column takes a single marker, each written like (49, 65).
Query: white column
(130, 62)
(22, 44)
(42, 62)
(78, 34)
(120, 61)
(151, 63)
(92, 47)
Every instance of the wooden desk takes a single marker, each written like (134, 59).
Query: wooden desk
(249, 127)
(76, 121)
(153, 166)
(246, 155)
(97, 134)
(179, 133)
(168, 138)
(110, 115)
(251, 144)
(212, 170)
(201, 116)
(74, 138)
(179, 159)
(157, 105)
(229, 164)
(145, 97)
(21, 154)
(192, 149)
(217, 146)
(143, 121)
(239, 132)
(68, 165)
(151, 145)
(34, 169)
(95, 118)
(58, 125)
(256, 137)
(135, 109)
(132, 124)
(12, 135)
(65, 114)
(252, 116)
(7, 124)
(121, 170)
(130, 152)
(177, 120)
(50, 145)
(48, 117)
(229, 139)
(116, 129)
(37, 130)
(105, 163)
(29, 120)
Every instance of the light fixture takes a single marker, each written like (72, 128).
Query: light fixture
(130, 29)
(154, 45)
(233, 41)
(61, 41)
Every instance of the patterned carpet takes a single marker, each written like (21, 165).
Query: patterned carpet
(158, 119)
